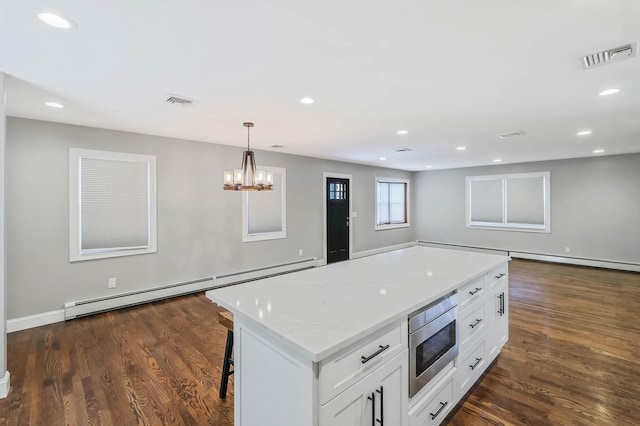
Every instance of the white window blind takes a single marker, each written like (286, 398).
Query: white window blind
(486, 200)
(518, 202)
(392, 204)
(112, 204)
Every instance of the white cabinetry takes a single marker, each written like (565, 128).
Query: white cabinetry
(484, 327)
(378, 399)
(344, 369)
(436, 404)
(498, 299)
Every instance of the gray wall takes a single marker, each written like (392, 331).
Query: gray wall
(3, 293)
(595, 208)
(199, 226)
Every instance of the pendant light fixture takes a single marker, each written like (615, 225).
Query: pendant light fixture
(248, 178)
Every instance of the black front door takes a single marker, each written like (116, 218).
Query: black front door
(337, 219)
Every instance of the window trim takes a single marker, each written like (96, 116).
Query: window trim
(75, 253)
(407, 204)
(262, 236)
(505, 226)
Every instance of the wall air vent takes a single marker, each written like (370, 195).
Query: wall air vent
(403, 150)
(511, 134)
(610, 55)
(179, 100)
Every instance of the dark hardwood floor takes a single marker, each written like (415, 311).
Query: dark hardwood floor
(155, 364)
(573, 358)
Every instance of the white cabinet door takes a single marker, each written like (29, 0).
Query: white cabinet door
(499, 318)
(378, 399)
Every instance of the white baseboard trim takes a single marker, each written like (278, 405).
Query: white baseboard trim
(379, 250)
(36, 320)
(577, 261)
(5, 385)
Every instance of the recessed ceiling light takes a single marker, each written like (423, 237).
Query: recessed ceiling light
(497, 160)
(583, 133)
(402, 132)
(54, 104)
(609, 92)
(307, 100)
(598, 151)
(57, 21)
(428, 167)
(461, 148)
(382, 158)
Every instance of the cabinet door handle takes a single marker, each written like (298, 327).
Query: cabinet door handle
(372, 398)
(478, 321)
(501, 303)
(475, 291)
(442, 405)
(366, 359)
(475, 364)
(500, 275)
(381, 419)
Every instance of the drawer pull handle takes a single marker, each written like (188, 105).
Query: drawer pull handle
(478, 321)
(442, 405)
(475, 364)
(502, 274)
(372, 398)
(475, 291)
(366, 359)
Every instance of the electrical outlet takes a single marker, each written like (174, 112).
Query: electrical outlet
(567, 249)
(300, 252)
(111, 283)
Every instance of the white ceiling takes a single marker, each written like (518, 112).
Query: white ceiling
(451, 72)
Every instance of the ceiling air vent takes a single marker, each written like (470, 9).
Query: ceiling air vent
(403, 150)
(179, 100)
(611, 55)
(511, 134)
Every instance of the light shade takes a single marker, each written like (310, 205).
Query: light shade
(248, 178)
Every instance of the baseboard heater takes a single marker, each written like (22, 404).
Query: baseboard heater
(596, 263)
(462, 247)
(103, 304)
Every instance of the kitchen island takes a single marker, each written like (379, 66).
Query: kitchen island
(299, 337)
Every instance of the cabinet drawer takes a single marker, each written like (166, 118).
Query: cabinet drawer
(496, 275)
(435, 406)
(470, 368)
(340, 371)
(470, 293)
(472, 324)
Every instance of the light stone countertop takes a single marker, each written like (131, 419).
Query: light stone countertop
(319, 311)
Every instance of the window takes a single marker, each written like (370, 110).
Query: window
(517, 202)
(264, 212)
(392, 203)
(337, 191)
(112, 204)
